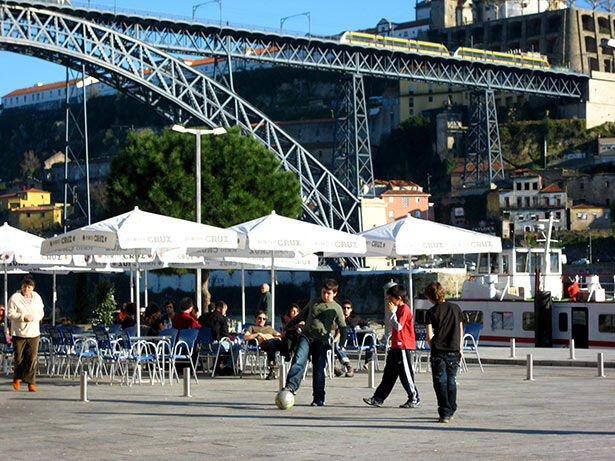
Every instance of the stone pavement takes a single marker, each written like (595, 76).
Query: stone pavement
(565, 413)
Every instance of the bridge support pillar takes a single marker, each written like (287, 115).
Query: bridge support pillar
(352, 160)
(483, 164)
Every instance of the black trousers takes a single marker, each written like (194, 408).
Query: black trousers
(25, 352)
(398, 364)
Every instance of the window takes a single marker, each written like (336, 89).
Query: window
(527, 202)
(501, 320)
(518, 186)
(417, 200)
(472, 317)
(607, 215)
(595, 215)
(391, 214)
(507, 202)
(558, 201)
(411, 102)
(535, 186)
(390, 199)
(430, 98)
(606, 323)
(563, 322)
(519, 202)
(526, 186)
(405, 201)
(528, 321)
(558, 215)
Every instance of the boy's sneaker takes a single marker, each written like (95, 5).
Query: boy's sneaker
(289, 390)
(349, 371)
(372, 401)
(31, 387)
(317, 403)
(411, 404)
(272, 374)
(16, 384)
(444, 420)
(338, 371)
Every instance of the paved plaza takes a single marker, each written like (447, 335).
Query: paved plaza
(565, 413)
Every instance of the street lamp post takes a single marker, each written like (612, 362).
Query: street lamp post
(197, 187)
(198, 5)
(309, 17)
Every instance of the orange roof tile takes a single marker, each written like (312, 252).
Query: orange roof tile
(37, 88)
(587, 206)
(552, 188)
(15, 194)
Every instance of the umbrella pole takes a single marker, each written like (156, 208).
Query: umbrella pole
(145, 300)
(6, 301)
(138, 298)
(53, 300)
(132, 287)
(243, 295)
(410, 294)
(272, 290)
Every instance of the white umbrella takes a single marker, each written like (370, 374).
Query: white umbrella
(412, 236)
(22, 251)
(136, 233)
(277, 233)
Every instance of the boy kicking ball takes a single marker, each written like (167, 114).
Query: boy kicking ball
(398, 361)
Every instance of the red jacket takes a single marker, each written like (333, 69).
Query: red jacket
(183, 320)
(402, 335)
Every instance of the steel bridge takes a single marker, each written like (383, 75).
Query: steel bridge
(135, 54)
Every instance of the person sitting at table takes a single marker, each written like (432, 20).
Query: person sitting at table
(183, 319)
(290, 335)
(169, 312)
(352, 321)
(205, 317)
(130, 317)
(152, 318)
(217, 322)
(269, 340)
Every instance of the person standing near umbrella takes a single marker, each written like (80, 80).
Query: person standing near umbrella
(25, 310)
(264, 304)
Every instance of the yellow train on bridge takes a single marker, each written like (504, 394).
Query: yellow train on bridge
(517, 59)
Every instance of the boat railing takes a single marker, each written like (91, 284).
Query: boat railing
(587, 283)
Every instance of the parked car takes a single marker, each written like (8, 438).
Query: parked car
(580, 261)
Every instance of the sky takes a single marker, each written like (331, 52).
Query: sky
(327, 17)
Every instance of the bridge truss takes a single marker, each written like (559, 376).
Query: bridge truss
(178, 92)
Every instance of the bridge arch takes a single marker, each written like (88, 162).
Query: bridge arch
(181, 94)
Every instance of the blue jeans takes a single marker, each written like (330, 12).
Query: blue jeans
(270, 347)
(340, 353)
(444, 367)
(318, 352)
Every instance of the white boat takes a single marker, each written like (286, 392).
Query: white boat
(501, 297)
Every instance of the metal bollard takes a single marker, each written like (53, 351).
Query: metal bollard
(513, 350)
(84, 386)
(282, 373)
(187, 382)
(371, 375)
(530, 367)
(572, 355)
(601, 365)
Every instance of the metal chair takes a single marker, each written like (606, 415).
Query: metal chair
(106, 352)
(184, 349)
(471, 335)
(422, 348)
(6, 352)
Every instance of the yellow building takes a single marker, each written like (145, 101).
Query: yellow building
(31, 209)
(25, 198)
(36, 217)
(586, 216)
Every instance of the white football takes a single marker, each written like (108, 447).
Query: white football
(284, 399)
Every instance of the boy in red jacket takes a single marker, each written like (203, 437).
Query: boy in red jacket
(398, 362)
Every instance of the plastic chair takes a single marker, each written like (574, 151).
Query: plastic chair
(79, 351)
(471, 335)
(209, 348)
(352, 343)
(164, 350)
(106, 352)
(422, 348)
(138, 353)
(6, 352)
(184, 348)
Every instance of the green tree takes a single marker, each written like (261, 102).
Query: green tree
(240, 178)
(105, 302)
(29, 165)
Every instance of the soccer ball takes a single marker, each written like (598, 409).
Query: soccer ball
(284, 399)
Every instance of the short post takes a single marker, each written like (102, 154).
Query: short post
(187, 382)
(530, 367)
(84, 386)
(371, 375)
(282, 373)
(572, 356)
(513, 351)
(601, 365)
